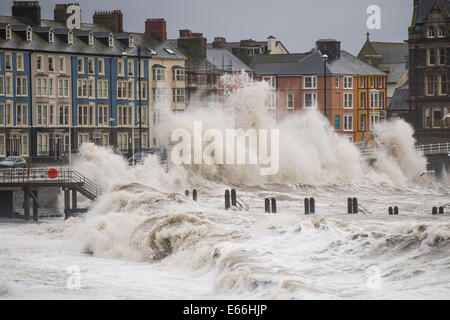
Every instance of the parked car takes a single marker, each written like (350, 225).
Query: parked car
(140, 156)
(13, 162)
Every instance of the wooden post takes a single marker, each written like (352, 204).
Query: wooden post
(267, 205)
(349, 206)
(306, 201)
(233, 197)
(274, 205)
(66, 204)
(312, 206)
(355, 205)
(35, 207)
(227, 199)
(26, 204)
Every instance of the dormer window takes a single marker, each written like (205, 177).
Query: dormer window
(91, 39)
(29, 35)
(131, 41)
(430, 32)
(51, 36)
(70, 38)
(8, 33)
(111, 41)
(441, 33)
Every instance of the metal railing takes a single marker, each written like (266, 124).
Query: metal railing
(242, 204)
(436, 148)
(41, 175)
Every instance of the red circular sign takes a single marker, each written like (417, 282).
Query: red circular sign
(52, 173)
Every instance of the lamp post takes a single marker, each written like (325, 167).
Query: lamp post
(325, 58)
(139, 102)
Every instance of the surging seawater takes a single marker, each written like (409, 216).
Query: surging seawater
(144, 238)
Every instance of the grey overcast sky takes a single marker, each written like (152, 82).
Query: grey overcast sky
(297, 23)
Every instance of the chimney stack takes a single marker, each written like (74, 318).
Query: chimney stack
(27, 11)
(330, 47)
(60, 12)
(192, 44)
(110, 19)
(218, 42)
(156, 28)
(271, 43)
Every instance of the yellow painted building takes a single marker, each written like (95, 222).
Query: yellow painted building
(371, 106)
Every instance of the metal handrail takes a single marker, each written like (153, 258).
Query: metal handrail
(435, 148)
(23, 175)
(243, 205)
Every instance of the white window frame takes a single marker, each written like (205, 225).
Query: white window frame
(51, 87)
(101, 62)
(42, 144)
(124, 115)
(122, 137)
(144, 90)
(2, 85)
(102, 118)
(41, 86)
(91, 66)
(313, 80)
(21, 86)
(348, 103)
(42, 113)
(87, 114)
(120, 67)
(336, 82)
(29, 36)
(130, 67)
(8, 85)
(313, 99)
(80, 65)
(64, 111)
(159, 95)
(429, 57)
(374, 100)
(102, 88)
(6, 114)
(63, 87)
(70, 37)
(178, 74)
(52, 63)
(272, 81)
(348, 125)
(348, 82)
(290, 100)
(19, 61)
(431, 32)
(24, 151)
(158, 73)
(374, 119)
(91, 39)
(40, 63)
(62, 64)
(110, 40)
(8, 61)
(8, 35)
(51, 36)
(178, 95)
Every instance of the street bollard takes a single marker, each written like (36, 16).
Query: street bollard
(233, 197)
(267, 205)
(396, 211)
(435, 210)
(227, 199)
(274, 205)
(194, 194)
(441, 210)
(391, 212)
(306, 206)
(186, 193)
(312, 206)
(349, 206)
(355, 205)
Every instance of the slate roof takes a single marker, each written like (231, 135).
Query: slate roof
(39, 43)
(425, 6)
(224, 60)
(400, 99)
(310, 63)
(392, 52)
